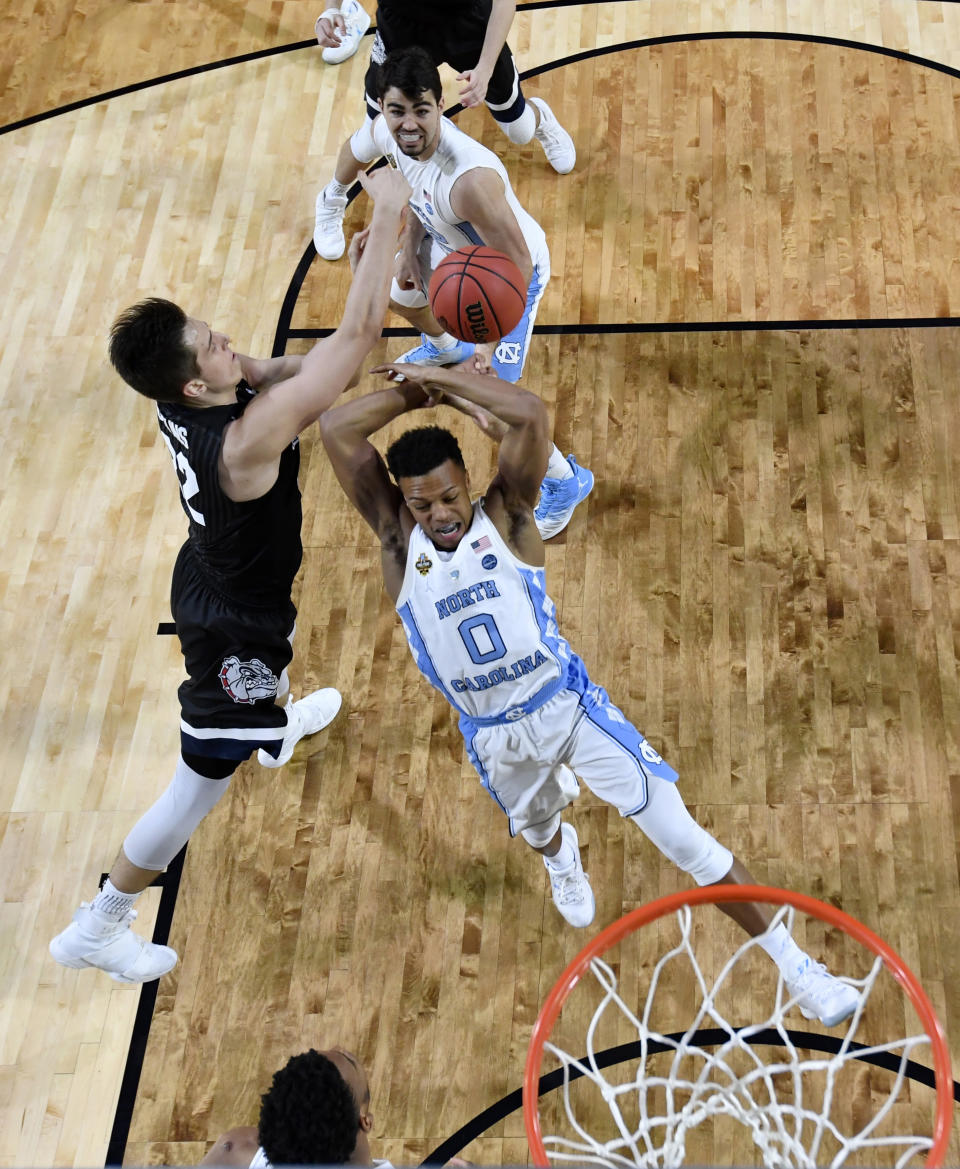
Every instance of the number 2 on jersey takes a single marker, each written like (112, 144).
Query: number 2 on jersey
(189, 487)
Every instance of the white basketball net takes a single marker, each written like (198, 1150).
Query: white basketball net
(785, 1097)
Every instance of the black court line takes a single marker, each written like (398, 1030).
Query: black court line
(800, 325)
(227, 63)
(709, 1037)
(136, 1052)
(259, 54)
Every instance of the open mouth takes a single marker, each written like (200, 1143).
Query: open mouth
(447, 532)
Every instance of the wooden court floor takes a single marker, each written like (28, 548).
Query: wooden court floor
(766, 577)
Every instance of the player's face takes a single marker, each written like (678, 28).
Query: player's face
(414, 123)
(219, 366)
(353, 1074)
(440, 503)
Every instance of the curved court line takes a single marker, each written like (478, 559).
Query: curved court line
(708, 1037)
(225, 63)
(285, 331)
(257, 54)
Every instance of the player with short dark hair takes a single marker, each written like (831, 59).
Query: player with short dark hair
(471, 36)
(468, 582)
(148, 349)
(315, 1112)
(231, 424)
(419, 451)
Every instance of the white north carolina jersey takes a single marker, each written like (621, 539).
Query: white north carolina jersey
(433, 180)
(479, 622)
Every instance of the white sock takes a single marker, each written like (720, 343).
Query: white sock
(113, 902)
(442, 340)
(558, 467)
(564, 858)
(783, 950)
(336, 190)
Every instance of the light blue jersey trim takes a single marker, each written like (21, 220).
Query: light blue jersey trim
(544, 613)
(469, 731)
(610, 721)
(421, 655)
(510, 354)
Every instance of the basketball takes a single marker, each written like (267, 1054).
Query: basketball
(477, 294)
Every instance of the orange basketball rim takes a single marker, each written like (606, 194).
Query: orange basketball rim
(679, 903)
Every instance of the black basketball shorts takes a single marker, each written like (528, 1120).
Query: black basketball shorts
(234, 657)
(454, 38)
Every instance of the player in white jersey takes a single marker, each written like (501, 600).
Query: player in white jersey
(468, 582)
(461, 195)
(471, 36)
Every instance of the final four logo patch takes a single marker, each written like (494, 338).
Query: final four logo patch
(423, 564)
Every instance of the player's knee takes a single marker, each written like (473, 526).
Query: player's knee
(540, 835)
(703, 857)
(208, 766)
(691, 848)
(407, 297)
(520, 130)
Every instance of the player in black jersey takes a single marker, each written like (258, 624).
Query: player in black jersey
(471, 36)
(231, 424)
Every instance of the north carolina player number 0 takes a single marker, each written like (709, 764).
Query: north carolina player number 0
(482, 639)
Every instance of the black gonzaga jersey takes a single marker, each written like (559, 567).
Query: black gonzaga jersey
(249, 552)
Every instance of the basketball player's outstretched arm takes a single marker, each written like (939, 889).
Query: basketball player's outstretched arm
(362, 474)
(478, 78)
(253, 444)
(479, 198)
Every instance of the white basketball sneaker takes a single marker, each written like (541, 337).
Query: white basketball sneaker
(93, 939)
(571, 890)
(820, 995)
(556, 142)
(328, 237)
(311, 714)
(357, 20)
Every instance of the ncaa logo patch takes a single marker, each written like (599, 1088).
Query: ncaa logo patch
(489, 562)
(247, 682)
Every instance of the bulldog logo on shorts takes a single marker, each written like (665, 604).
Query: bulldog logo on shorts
(247, 682)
